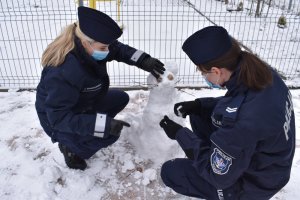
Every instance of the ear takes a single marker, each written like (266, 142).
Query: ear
(216, 70)
(84, 43)
(87, 47)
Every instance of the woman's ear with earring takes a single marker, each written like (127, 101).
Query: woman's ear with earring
(215, 70)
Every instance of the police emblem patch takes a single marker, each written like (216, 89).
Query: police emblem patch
(220, 162)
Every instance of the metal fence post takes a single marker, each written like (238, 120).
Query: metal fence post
(290, 4)
(92, 4)
(118, 7)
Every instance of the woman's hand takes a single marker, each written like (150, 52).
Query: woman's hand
(153, 65)
(170, 127)
(185, 108)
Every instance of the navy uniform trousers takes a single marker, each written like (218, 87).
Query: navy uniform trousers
(86, 146)
(181, 176)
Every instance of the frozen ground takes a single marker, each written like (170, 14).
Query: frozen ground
(32, 168)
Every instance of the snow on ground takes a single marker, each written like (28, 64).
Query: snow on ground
(32, 168)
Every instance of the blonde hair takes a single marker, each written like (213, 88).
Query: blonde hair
(55, 53)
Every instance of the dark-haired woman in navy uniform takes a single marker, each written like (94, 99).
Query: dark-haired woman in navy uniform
(242, 144)
(74, 104)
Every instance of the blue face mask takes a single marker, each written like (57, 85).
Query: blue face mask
(212, 85)
(99, 55)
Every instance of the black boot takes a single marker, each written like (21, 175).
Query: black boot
(72, 160)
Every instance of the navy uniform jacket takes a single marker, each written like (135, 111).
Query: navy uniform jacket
(66, 95)
(253, 143)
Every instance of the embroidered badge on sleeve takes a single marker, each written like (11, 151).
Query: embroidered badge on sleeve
(220, 162)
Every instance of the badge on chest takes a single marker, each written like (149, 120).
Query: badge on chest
(220, 162)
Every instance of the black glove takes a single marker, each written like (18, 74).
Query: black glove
(185, 108)
(152, 65)
(116, 126)
(170, 127)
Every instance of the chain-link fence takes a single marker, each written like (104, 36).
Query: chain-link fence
(158, 27)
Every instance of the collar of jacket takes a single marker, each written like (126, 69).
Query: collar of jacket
(93, 67)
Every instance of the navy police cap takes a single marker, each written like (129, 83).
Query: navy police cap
(98, 26)
(207, 44)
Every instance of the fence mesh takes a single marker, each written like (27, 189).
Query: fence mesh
(158, 27)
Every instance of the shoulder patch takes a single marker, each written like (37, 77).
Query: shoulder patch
(220, 162)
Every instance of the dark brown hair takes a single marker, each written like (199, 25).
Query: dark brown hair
(254, 73)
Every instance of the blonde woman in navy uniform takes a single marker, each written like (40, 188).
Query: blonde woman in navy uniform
(75, 106)
(242, 144)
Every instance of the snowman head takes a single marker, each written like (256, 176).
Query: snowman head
(165, 79)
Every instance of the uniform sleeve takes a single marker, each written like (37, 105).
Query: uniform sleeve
(207, 105)
(62, 97)
(225, 160)
(124, 53)
(191, 143)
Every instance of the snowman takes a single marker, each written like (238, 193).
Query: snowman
(149, 139)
